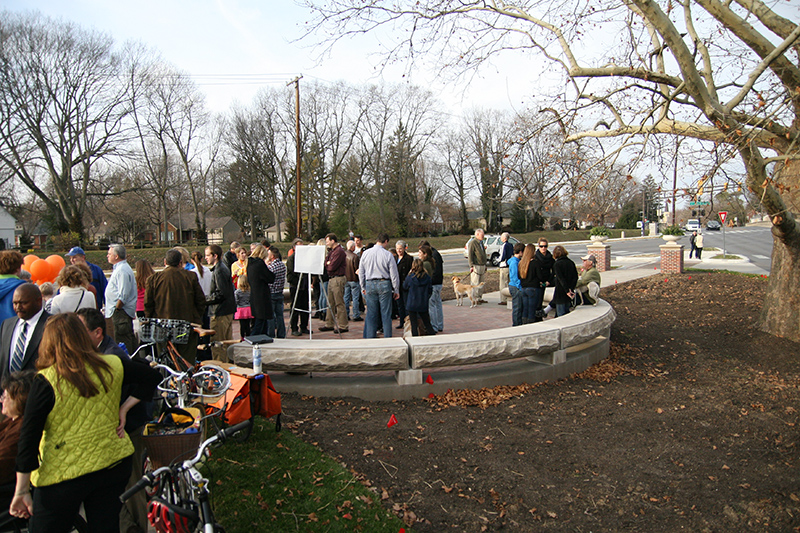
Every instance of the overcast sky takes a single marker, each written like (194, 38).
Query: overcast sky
(234, 47)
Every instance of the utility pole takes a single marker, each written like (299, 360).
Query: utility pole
(299, 220)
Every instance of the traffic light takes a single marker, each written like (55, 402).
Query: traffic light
(694, 212)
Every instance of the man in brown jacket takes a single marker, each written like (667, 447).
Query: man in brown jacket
(175, 293)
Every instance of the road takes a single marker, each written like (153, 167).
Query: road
(753, 242)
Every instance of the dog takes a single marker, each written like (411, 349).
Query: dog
(462, 289)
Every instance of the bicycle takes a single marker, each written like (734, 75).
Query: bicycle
(182, 500)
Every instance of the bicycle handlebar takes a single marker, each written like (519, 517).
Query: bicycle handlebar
(148, 479)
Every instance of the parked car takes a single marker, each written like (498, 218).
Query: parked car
(713, 225)
(693, 224)
(493, 247)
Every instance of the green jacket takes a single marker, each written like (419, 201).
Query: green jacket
(477, 253)
(587, 277)
(80, 434)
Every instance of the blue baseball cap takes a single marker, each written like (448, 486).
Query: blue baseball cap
(76, 250)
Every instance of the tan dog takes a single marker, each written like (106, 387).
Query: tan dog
(463, 289)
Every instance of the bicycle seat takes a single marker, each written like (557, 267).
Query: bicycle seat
(205, 332)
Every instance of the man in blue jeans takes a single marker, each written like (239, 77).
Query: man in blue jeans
(380, 282)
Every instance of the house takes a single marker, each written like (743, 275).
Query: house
(271, 233)
(219, 230)
(7, 226)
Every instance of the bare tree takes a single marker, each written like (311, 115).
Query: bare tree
(488, 133)
(453, 157)
(63, 104)
(719, 72)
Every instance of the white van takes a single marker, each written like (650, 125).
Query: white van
(693, 224)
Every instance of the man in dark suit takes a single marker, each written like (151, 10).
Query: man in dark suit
(20, 335)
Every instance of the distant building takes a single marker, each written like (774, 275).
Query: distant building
(7, 226)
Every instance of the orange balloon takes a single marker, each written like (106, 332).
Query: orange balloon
(40, 270)
(56, 263)
(56, 260)
(29, 259)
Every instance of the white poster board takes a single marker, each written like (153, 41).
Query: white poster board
(309, 259)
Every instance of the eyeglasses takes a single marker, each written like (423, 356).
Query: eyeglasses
(543, 246)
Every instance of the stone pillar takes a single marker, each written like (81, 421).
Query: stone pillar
(672, 258)
(602, 252)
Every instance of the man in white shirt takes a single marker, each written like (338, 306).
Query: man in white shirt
(121, 297)
(380, 282)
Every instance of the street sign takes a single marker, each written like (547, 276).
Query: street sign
(722, 216)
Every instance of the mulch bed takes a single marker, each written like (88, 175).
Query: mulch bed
(690, 424)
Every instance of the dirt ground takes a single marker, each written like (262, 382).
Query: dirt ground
(691, 424)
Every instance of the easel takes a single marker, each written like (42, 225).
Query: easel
(308, 260)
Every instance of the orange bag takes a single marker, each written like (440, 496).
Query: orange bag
(248, 396)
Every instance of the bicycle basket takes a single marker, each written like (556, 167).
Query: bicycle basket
(169, 518)
(179, 331)
(151, 330)
(165, 448)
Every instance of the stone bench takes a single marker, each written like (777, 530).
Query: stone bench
(543, 350)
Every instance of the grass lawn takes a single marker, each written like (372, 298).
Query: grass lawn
(277, 482)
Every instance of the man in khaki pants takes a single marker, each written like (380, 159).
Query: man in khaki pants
(477, 265)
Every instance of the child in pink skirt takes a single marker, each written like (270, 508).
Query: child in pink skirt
(243, 314)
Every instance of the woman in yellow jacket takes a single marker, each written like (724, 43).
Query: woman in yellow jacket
(73, 447)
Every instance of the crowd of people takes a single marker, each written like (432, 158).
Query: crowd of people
(73, 399)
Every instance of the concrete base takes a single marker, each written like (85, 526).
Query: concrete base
(383, 386)
(554, 358)
(408, 377)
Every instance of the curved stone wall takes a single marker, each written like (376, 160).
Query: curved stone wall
(547, 343)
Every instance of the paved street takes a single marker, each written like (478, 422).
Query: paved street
(752, 242)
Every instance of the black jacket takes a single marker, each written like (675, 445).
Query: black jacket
(221, 300)
(404, 267)
(438, 267)
(260, 277)
(566, 278)
(543, 264)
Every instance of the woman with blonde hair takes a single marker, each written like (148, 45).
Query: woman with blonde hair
(72, 294)
(240, 265)
(73, 447)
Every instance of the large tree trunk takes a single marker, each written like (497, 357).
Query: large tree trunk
(780, 313)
